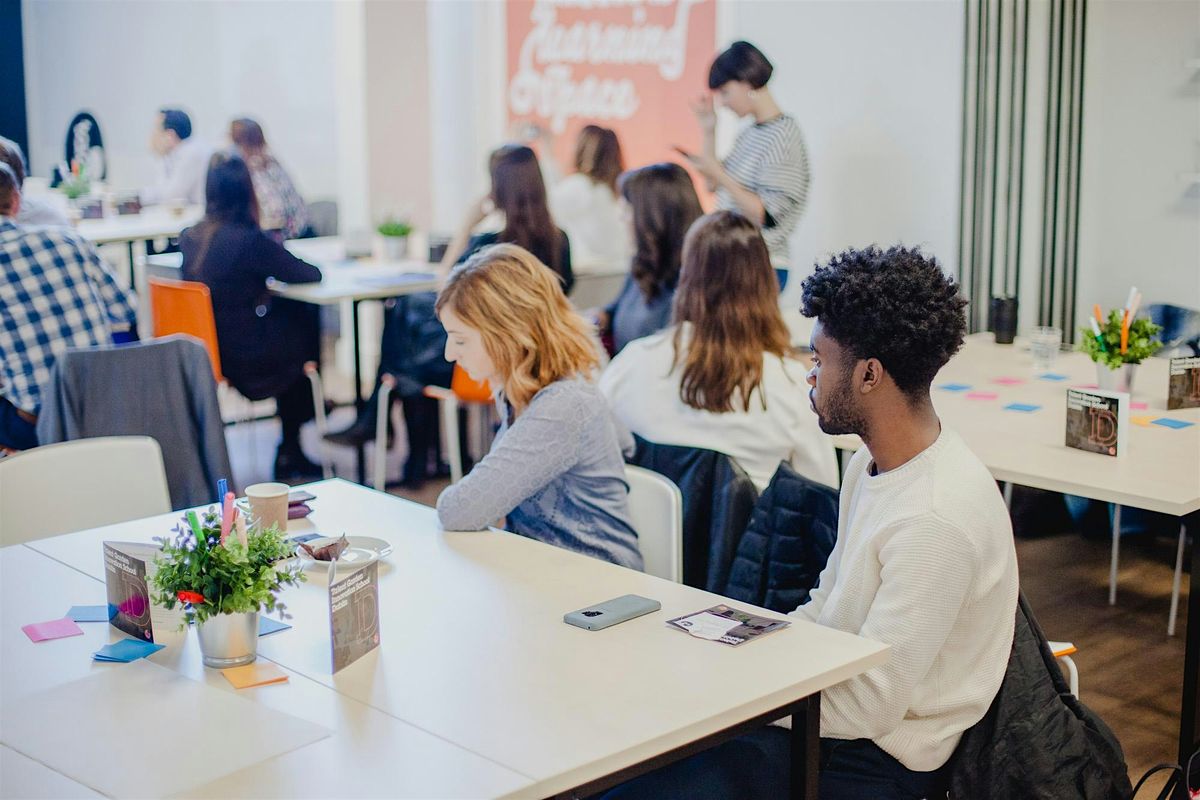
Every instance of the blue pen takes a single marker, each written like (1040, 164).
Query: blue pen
(222, 488)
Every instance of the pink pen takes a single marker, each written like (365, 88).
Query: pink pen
(227, 512)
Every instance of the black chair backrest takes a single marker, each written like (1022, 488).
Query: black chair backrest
(717, 499)
(792, 531)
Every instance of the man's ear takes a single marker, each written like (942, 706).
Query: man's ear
(872, 375)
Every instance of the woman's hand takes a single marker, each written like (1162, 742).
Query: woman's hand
(702, 107)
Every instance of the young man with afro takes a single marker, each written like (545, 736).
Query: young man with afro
(924, 560)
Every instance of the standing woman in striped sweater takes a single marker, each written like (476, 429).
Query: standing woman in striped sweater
(765, 177)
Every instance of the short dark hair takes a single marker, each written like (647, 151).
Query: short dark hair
(10, 153)
(176, 120)
(742, 61)
(9, 186)
(896, 305)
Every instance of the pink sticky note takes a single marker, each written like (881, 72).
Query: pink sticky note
(54, 629)
(982, 395)
(1009, 381)
(1139, 406)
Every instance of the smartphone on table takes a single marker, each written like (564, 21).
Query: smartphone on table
(610, 612)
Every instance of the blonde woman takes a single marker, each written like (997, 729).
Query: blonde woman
(555, 469)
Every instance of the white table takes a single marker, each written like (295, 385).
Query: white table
(153, 222)
(474, 651)
(370, 752)
(1160, 472)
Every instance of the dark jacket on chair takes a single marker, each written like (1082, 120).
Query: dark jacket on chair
(717, 499)
(263, 340)
(162, 388)
(1037, 741)
(792, 532)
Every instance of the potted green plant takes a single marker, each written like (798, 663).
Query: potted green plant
(1118, 346)
(393, 239)
(76, 184)
(223, 575)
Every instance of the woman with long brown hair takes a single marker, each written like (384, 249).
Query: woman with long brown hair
(555, 469)
(264, 341)
(413, 341)
(664, 205)
(722, 377)
(586, 201)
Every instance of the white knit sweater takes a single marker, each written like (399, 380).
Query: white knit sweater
(924, 562)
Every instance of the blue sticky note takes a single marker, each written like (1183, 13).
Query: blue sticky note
(266, 625)
(1023, 407)
(92, 613)
(1167, 422)
(126, 650)
(955, 387)
(1052, 376)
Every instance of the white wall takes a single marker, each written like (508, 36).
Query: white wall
(124, 59)
(1139, 218)
(877, 89)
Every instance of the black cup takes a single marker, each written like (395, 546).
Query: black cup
(1002, 319)
(437, 248)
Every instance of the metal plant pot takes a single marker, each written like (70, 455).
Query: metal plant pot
(228, 640)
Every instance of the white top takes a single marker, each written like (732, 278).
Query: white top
(925, 562)
(473, 653)
(590, 215)
(180, 174)
(644, 393)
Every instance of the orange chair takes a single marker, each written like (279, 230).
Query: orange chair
(477, 396)
(186, 307)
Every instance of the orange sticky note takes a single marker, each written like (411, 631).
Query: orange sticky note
(260, 673)
(1143, 421)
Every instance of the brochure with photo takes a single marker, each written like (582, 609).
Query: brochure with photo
(726, 625)
(1183, 389)
(1097, 421)
(128, 566)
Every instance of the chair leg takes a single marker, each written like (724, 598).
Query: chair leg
(1116, 553)
(382, 409)
(449, 408)
(321, 421)
(1175, 584)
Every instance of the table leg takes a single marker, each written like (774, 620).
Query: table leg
(359, 400)
(806, 749)
(1191, 663)
(132, 270)
(1116, 553)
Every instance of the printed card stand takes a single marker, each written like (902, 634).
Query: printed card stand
(128, 204)
(128, 566)
(1183, 390)
(354, 615)
(90, 208)
(1097, 421)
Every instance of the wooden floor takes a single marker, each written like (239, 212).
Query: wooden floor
(1130, 671)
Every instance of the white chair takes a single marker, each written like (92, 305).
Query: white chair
(656, 506)
(60, 488)
(1063, 652)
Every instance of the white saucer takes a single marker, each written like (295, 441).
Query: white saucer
(361, 551)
